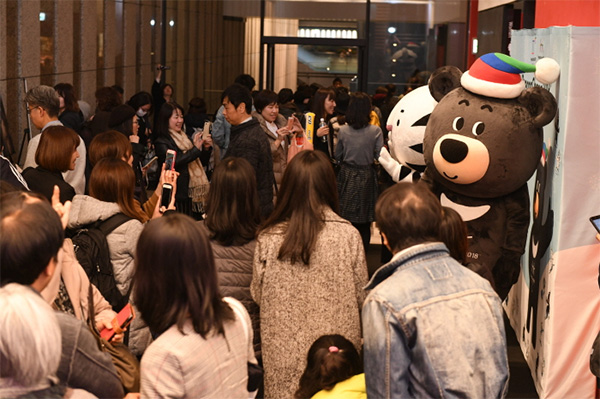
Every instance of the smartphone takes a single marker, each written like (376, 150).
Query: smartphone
(121, 320)
(206, 130)
(596, 222)
(170, 160)
(167, 192)
(150, 162)
(290, 124)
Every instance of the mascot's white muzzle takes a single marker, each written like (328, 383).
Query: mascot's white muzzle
(460, 159)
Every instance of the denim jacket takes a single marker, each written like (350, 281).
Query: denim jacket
(433, 329)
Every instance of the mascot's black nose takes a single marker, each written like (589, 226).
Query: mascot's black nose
(453, 151)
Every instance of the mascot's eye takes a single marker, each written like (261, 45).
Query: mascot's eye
(398, 122)
(458, 123)
(478, 128)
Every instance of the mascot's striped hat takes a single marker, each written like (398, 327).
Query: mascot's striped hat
(498, 75)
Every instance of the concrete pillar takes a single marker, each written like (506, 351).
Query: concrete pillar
(182, 34)
(130, 37)
(63, 42)
(111, 36)
(145, 64)
(3, 54)
(88, 50)
(27, 58)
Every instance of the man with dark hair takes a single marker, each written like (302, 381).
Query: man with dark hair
(43, 106)
(432, 328)
(248, 141)
(31, 237)
(221, 128)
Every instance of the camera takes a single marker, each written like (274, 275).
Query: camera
(163, 68)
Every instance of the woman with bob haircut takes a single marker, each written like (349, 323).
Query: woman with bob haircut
(232, 219)
(191, 156)
(305, 255)
(275, 127)
(359, 144)
(204, 341)
(56, 154)
(30, 345)
(111, 192)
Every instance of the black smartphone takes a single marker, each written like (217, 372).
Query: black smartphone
(596, 222)
(167, 192)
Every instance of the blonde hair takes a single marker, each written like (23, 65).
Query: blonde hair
(30, 338)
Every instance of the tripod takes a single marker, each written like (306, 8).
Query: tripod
(27, 130)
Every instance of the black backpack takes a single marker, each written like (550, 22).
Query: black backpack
(91, 249)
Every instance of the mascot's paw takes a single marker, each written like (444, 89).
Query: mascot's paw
(506, 272)
(390, 164)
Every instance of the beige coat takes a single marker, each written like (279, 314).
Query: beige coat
(280, 151)
(299, 303)
(77, 285)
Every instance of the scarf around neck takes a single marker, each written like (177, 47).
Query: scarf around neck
(199, 184)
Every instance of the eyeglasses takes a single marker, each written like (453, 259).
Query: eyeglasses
(29, 109)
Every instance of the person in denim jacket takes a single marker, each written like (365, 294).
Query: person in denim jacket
(432, 328)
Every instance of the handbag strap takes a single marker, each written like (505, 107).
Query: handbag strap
(91, 313)
(235, 305)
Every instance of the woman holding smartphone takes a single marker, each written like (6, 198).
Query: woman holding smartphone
(276, 128)
(189, 159)
(111, 192)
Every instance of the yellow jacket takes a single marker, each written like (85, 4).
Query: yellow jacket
(352, 388)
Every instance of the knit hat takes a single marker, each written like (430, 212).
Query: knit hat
(120, 114)
(498, 75)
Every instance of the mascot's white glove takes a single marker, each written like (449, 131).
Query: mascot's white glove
(390, 164)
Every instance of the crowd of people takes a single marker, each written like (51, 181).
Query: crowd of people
(254, 260)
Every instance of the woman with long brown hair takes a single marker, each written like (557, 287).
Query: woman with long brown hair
(111, 193)
(232, 219)
(305, 256)
(205, 340)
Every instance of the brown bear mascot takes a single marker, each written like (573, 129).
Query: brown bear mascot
(482, 144)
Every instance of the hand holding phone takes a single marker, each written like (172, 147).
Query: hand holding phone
(167, 192)
(119, 323)
(206, 130)
(170, 160)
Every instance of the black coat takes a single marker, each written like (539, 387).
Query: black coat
(43, 181)
(249, 141)
(182, 159)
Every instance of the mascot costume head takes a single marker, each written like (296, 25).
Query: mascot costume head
(404, 161)
(482, 144)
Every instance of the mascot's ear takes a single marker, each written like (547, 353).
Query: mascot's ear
(540, 103)
(443, 80)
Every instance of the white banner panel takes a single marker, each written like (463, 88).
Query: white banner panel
(555, 306)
